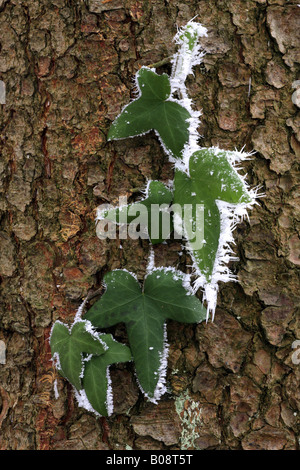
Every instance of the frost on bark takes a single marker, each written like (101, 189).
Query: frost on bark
(67, 70)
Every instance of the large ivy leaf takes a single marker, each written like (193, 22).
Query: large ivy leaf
(96, 380)
(154, 110)
(155, 222)
(144, 312)
(70, 345)
(212, 178)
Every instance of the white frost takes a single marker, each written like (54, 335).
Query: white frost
(160, 389)
(182, 66)
(83, 401)
(56, 394)
(183, 63)
(109, 395)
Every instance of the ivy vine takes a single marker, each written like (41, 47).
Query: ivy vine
(205, 178)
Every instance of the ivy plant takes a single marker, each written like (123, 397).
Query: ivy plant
(211, 179)
(83, 357)
(156, 194)
(203, 177)
(144, 310)
(154, 110)
(96, 384)
(70, 345)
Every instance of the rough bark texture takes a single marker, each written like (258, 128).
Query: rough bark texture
(68, 69)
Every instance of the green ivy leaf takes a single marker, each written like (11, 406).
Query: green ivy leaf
(70, 344)
(96, 381)
(212, 178)
(216, 177)
(144, 312)
(152, 224)
(154, 110)
(190, 35)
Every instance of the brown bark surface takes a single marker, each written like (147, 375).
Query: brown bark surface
(68, 68)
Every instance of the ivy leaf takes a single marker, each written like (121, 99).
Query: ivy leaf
(96, 379)
(70, 345)
(212, 178)
(144, 312)
(155, 223)
(154, 110)
(190, 35)
(216, 177)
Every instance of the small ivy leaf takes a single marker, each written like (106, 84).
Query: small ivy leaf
(70, 345)
(96, 379)
(144, 313)
(212, 178)
(154, 110)
(146, 213)
(190, 35)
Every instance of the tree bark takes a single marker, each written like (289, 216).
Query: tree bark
(68, 69)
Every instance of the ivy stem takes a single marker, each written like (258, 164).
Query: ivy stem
(187, 55)
(162, 62)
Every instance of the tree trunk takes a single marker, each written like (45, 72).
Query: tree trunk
(68, 69)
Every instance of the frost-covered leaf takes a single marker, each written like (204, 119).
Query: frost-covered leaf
(211, 178)
(154, 110)
(190, 35)
(144, 312)
(96, 379)
(216, 178)
(69, 345)
(155, 222)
